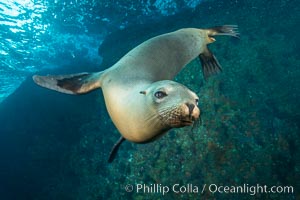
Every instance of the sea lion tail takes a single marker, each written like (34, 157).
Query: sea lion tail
(70, 84)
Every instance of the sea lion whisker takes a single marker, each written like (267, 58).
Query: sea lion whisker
(151, 117)
(197, 123)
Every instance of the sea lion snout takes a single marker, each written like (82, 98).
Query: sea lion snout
(191, 112)
(191, 107)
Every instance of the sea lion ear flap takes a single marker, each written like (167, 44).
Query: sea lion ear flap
(146, 90)
(143, 92)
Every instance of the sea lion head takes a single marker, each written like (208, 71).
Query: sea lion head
(173, 104)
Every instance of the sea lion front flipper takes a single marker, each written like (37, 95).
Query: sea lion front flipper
(115, 149)
(210, 64)
(70, 84)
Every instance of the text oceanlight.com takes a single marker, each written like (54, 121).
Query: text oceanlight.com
(212, 188)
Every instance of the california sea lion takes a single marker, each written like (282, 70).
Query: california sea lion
(140, 97)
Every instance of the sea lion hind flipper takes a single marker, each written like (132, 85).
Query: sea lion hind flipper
(210, 64)
(115, 149)
(70, 84)
(229, 30)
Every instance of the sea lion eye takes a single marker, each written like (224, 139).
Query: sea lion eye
(197, 101)
(160, 94)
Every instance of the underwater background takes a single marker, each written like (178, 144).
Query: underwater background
(55, 146)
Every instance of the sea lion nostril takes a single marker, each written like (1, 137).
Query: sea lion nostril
(191, 107)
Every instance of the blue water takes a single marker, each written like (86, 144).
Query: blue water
(35, 34)
(55, 146)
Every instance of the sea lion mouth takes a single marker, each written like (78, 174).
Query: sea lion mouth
(177, 118)
(186, 122)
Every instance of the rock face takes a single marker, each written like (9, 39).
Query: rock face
(55, 146)
(38, 129)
